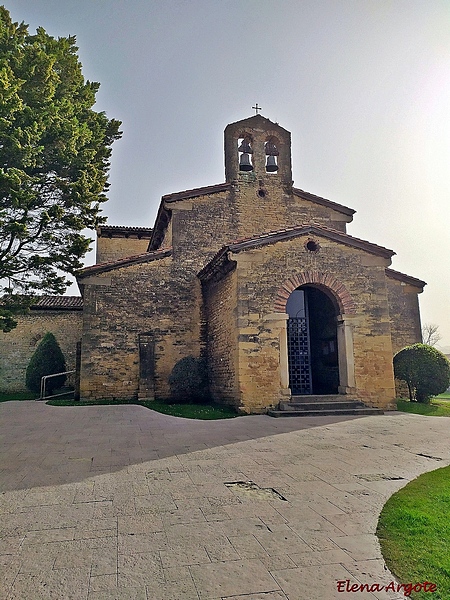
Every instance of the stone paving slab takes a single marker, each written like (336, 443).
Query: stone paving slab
(154, 520)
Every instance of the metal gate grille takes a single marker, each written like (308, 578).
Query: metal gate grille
(299, 356)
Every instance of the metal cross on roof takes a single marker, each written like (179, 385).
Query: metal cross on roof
(256, 107)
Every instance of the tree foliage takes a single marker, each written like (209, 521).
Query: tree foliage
(46, 360)
(189, 381)
(425, 370)
(54, 160)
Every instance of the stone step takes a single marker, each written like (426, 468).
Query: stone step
(323, 405)
(321, 398)
(330, 411)
(320, 405)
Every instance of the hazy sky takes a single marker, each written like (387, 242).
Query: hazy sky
(363, 86)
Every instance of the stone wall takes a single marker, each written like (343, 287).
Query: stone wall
(405, 321)
(220, 312)
(199, 228)
(163, 297)
(18, 346)
(404, 314)
(263, 204)
(110, 249)
(153, 297)
(262, 271)
(217, 220)
(119, 305)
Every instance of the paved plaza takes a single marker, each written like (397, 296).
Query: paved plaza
(122, 503)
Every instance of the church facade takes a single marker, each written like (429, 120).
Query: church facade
(259, 278)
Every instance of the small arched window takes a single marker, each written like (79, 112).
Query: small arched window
(245, 153)
(272, 154)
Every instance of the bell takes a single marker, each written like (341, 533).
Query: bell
(271, 165)
(245, 146)
(244, 162)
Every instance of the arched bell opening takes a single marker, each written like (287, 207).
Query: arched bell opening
(272, 153)
(245, 151)
(312, 338)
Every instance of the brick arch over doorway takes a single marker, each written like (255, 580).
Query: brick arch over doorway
(343, 297)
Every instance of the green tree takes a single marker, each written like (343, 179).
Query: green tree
(425, 370)
(54, 162)
(46, 360)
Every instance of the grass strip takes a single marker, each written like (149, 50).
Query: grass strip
(188, 411)
(414, 533)
(436, 408)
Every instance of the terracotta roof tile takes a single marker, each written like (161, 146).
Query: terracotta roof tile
(123, 231)
(272, 237)
(58, 303)
(323, 201)
(405, 278)
(210, 189)
(290, 232)
(123, 262)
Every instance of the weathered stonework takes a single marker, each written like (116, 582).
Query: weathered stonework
(265, 281)
(119, 242)
(214, 278)
(403, 310)
(18, 346)
(222, 336)
(404, 317)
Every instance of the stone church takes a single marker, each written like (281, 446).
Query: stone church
(257, 276)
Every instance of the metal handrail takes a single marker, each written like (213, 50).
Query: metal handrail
(44, 381)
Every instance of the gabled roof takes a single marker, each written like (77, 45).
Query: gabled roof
(124, 262)
(58, 303)
(194, 193)
(405, 278)
(254, 121)
(272, 237)
(163, 216)
(323, 202)
(122, 231)
(320, 230)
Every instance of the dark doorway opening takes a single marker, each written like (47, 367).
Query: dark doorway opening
(312, 342)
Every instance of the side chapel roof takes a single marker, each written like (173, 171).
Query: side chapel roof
(58, 303)
(405, 278)
(124, 262)
(323, 201)
(121, 231)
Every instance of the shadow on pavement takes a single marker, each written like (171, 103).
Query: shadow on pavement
(44, 445)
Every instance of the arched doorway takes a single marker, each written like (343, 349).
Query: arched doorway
(312, 342)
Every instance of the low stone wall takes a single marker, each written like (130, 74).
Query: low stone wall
(18, 346)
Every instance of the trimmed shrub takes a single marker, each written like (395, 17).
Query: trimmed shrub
(425, 370)
(189, 381)
(46, 360)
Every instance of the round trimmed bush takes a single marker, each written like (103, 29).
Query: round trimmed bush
(46, 360)
(425, 370)
(189, 381)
